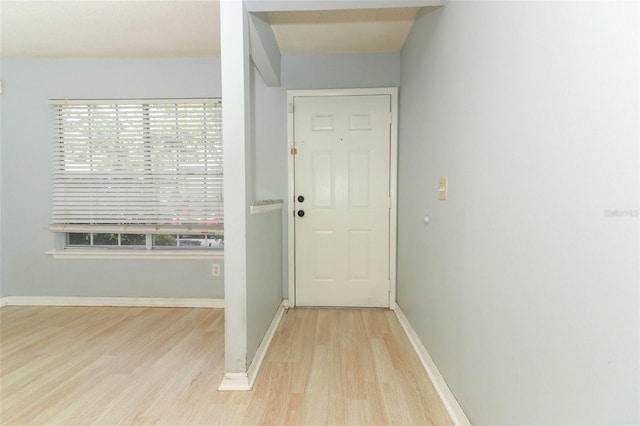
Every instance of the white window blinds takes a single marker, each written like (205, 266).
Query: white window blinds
(124, 162)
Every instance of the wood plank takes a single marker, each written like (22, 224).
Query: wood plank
(92, 365)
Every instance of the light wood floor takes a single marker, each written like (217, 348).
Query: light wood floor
(107, 366)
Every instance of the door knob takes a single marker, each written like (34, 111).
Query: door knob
(300, 213)
(300, 198)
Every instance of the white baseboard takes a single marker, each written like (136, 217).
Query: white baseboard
(245, 381)
(252, 372)
(155, 302)
(448, 399)
(3, 302)
(234, 382)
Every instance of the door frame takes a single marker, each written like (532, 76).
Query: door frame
(393, 180)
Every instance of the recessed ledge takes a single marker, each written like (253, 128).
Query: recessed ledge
(263, 206)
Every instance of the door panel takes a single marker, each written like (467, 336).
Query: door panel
(322, 179)
(342, 171)
(323, 255)
(359, 256)
(359, 179)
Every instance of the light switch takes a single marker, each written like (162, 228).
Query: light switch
(443, 188)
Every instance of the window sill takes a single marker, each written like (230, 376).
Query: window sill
(138, 254)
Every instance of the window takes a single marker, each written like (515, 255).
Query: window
(138, 174)
(144, 241)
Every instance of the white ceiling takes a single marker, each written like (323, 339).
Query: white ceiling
(102, 28)
(166, 28)
(342, 31)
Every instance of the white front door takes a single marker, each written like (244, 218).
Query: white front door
(342, 200)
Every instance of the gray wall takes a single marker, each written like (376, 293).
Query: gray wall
(264, 275)
(524, 286)
(341, 71)
(26, 176)
(265, 251)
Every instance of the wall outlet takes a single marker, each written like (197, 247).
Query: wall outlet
(215, 269)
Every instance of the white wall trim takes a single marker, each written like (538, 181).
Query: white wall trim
(234, 382)
(393, 182)
(448, 399)
(254, 368)
(245, 381)
(3, 301)
(149, 302)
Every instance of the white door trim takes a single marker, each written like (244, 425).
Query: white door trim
(393, 180)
